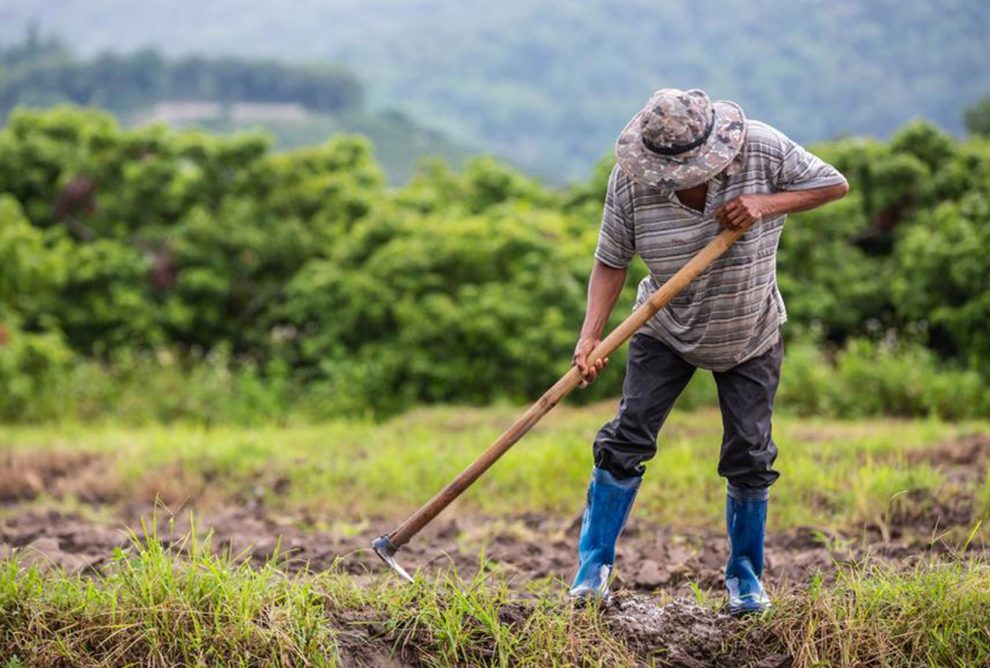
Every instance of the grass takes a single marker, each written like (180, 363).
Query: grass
(834, 473)
(178, 602)
(150, 610)
(186, 605)
(937, 614)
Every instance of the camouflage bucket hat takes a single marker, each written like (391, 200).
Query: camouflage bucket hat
(680, 139)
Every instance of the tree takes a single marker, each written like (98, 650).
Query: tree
(977, 118)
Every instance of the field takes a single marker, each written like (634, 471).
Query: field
(225, 369)
(186, 544)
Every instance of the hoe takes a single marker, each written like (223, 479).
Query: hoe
(387, 545)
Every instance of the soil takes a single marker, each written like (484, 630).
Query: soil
(653, 611)
(683, 633)
(525, 547)
(961, 460)
(26, 475)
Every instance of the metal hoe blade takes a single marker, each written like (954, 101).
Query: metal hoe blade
(385, 550)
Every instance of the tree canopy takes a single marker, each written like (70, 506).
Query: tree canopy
(459, 286)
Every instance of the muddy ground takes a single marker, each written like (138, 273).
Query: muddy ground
(652, 559)
(525, 547)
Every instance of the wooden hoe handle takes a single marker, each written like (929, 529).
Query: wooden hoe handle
(562, 388)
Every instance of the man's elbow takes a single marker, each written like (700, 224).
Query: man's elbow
(841, 189)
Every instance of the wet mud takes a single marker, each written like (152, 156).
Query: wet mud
(658, 573)
(526, 547)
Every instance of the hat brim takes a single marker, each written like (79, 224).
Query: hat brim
(689, 169)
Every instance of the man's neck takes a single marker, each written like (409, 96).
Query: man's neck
(694, 197)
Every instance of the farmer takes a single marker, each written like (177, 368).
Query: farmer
(686, 167)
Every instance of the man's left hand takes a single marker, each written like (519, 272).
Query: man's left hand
(742, 211)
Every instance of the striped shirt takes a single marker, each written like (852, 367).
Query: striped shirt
(733, 311)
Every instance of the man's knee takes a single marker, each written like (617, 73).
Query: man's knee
(753, 484)
(623, 445)
(655, 376)
(746, 397)
(746, 461)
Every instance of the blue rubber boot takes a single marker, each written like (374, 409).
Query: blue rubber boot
(605, 511)
(746, 519)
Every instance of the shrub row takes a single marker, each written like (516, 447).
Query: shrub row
(302, 275)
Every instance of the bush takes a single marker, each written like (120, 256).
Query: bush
(297, 282)
(463, 309)
(31, 366)
(887, 378)
(942, 279)
(47, 384)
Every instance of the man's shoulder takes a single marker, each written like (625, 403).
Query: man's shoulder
(618, 177)
(763, 136)
(620, 183)
(629, 195)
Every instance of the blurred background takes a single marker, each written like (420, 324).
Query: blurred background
(544, 86)
(239, 211)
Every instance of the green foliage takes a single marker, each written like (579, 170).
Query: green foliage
(31, 367)
(163, 387)
(926, 142)
(889, 377)
(27, 267)
(447, 309)
(123, 248)
(903, 251)
(826, 280)
(30, 361)
(977, 118)
(942, 278)
(933, 614)
(153, 607)
(42, 72)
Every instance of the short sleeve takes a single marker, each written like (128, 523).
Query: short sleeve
(617, 239)
(800, 169)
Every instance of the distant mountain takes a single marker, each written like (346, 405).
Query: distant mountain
(296, 104)
(549, 84)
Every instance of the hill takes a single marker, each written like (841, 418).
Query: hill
(548, 85)
(297, 104)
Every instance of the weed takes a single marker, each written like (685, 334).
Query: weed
(935, 614)
(834, 474)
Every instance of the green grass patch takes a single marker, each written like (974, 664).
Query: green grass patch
(152, 610)
(186, 605)
(937, 614)
(833, 472)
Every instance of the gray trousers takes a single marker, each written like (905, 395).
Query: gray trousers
(655, 377)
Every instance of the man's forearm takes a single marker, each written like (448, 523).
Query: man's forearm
(792, 201)
(745, 210)
(604, 288)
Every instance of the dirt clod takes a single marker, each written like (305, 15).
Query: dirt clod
(25, 475)
(962, 460)
(650, 574)
(683, 634)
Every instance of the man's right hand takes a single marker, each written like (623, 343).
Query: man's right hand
(589, 372)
